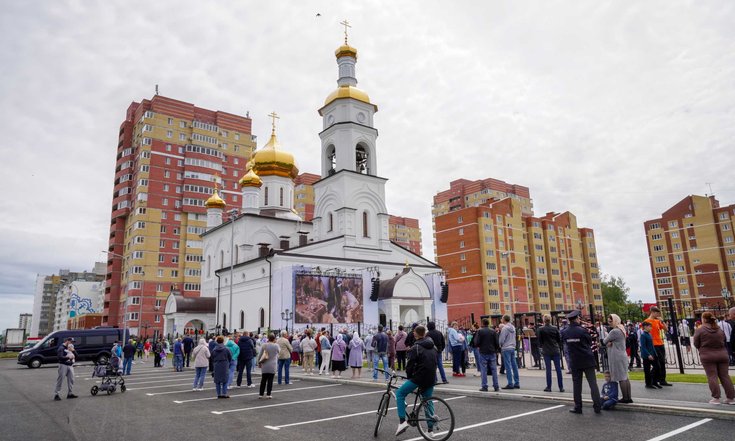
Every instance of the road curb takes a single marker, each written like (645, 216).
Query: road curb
(664, 409)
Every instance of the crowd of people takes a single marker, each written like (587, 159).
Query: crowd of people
(618, 347)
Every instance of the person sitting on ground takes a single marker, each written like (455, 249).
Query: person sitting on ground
(609, 393)
(420, 371)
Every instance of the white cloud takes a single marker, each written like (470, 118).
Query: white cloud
(612, 110)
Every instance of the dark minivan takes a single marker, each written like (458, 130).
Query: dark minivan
(90, 344)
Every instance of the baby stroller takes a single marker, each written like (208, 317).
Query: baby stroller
(111, 376)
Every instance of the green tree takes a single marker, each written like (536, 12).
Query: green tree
(616, 301)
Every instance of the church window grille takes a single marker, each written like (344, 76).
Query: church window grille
(330, 219)
(365, 224)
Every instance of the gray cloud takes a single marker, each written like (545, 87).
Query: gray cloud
(612, 110)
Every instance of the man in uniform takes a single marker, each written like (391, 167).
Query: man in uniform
(582, 361)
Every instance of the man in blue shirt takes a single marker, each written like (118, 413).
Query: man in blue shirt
(178, 355)
(380, 352)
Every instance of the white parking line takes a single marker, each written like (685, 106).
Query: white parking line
(254, 393)
(189, 383)
(341, 416)
(135, 383)
(220, 412)
(499, 420)
(681, 430)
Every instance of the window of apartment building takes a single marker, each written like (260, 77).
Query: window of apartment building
(696, 261)
(147, 141)
(660, 258)
(161, 258)
(662, 269)
(675, 235)
(682, 280)
(540, 259)
(653, 226)
(673, 224)
(463, 270)
(174, 259)
(169, 134)
(157, 319)
(182, 137)
(461, 231)
(680, 268)
(656, 236)
(176, 231)
(723, 215)
(461, 244)
(174, 273)
(658, 248)
(725, 227)
(175, 245)
(164, 201)
(679, 257)
(700, 285)
(490, 266)
(730, 251)
(145, 168)
(728, 239)
(459, 219)
(541, 270)
(684, 291)
(462, 257)
(182, 124)
(162, 243)
(490, 253)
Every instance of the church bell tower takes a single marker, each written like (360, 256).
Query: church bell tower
(350, 197)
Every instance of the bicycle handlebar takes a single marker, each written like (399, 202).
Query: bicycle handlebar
(391, 373)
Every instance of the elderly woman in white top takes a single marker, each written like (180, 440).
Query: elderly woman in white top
(355, 359)
(617, 357)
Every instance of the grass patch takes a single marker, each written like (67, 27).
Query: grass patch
(670, 377)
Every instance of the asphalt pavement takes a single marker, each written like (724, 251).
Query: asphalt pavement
(160, 403)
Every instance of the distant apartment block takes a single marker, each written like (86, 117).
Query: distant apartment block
(691, 249)
(501, 259)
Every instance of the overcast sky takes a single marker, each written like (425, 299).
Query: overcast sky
(613, 110)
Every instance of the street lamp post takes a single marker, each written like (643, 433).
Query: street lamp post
(640, 306)
(287, 316)
(232, 214)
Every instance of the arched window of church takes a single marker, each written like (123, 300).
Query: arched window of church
(365, 224)
(262, 318)
(330, 221)
(222, 259)
(209, 266)
(242, 319)
(265, 195)
(224, 320)
(280, 196)
(237, 253)
(361, 159)
(332, 158)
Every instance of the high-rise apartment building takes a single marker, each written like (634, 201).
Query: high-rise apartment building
(48, 288)
(501, 259)
(691, 249)
(404, 231)
(304, 195)
(24, 321)
(169, 155)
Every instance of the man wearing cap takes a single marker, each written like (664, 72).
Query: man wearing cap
(66, 369)
(582, 361)
(658, 329)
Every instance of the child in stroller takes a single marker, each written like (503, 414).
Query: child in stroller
(110, 374)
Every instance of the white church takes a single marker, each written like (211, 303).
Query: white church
(266, 268)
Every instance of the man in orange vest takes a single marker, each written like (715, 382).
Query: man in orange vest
(658, 329)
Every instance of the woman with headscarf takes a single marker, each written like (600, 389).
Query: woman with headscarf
(201, 356)
(355, 359)
(338, 356)
(617, 357)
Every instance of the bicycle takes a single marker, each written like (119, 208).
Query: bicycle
(437, 423)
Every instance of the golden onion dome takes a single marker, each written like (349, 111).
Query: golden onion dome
(349, 92)
(215, 201)
(250, 179)
(346, 51)
(272, 161)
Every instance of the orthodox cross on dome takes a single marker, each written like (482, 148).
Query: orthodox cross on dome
(346, 24)
(216, 181)
(274, 116)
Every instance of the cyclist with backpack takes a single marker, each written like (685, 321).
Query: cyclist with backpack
(420, 371)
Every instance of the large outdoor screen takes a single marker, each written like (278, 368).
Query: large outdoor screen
(328, 299)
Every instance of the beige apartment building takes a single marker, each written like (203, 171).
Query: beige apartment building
(501, 259)
(692, 255)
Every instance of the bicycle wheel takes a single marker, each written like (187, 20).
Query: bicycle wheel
(382, 413)
(435, 419)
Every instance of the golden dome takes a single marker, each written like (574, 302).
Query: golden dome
(346, 51)
(271, 161)
(349, 92)
(215, 201)
(250, 179)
